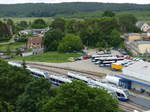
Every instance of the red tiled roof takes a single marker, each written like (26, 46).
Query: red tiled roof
(35, 40)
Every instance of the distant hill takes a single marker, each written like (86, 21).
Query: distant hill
(50, 10)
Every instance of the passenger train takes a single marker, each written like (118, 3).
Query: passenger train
(78, 76)
(54, 79)
(122, 94)
(57, 79)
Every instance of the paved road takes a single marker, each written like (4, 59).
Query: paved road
(141, 101)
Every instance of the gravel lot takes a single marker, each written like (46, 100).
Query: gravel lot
(83, 65)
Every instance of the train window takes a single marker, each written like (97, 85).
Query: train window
(120, 94)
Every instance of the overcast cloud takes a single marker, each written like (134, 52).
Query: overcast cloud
(58, 1)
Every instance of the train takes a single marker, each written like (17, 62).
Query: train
(14, 64)
(78, 76)
(58, 80)
(38, 73)
(121, 94)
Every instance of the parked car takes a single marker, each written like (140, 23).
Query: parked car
(85, 57)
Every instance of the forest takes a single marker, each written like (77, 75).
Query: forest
(51, 10)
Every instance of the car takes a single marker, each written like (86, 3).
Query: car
(85, 57)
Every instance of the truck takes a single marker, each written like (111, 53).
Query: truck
(116, 66)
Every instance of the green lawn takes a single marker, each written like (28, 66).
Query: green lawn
(53, 57)
(12, 46)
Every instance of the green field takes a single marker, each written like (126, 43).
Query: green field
(53, 57)
(140, 15)
(29, 19)
(11, 46)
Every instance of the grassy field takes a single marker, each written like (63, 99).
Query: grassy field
(141, 15)
(12, 46)
(53, 57)
(29, 19)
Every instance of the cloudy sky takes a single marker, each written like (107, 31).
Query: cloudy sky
(58, 1)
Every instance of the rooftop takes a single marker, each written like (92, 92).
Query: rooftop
(141, 42)
(139, 71)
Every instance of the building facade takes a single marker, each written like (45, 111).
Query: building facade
(35, 42)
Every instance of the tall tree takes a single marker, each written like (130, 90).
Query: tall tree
(70, 43)
(52, 39)
(35, 92)
(127, 22)
(108, 13)
(59, 23)
(79, 97)
(39, 23)
(12, 82)
(115, 39)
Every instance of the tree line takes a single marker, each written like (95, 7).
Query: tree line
(50, 10)
(21, 92)
(72, 34)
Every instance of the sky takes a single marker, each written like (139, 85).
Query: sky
(59, 1)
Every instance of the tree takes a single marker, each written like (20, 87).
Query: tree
(70, 43)
(115, 39)
(52, 39)
(4, 31)
(24, 64)
(127, 22)
(18, 52)
(91, 35)
(5, 106)
(74, 26)
(8, 51)
(35, 92)
(79, 97)
(23, 24)
(108, 13)
(12, 82)
(39, 23)
(59, 23)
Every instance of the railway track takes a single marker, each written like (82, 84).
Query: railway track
(64, 71)
(126, 106)
(131, 106)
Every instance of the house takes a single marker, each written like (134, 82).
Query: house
(143, 26)
(34, 42)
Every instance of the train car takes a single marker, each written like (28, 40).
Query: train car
(58, 80)
(78, 76)
(38, 73)
(14, 64)
(122, 94)
(112, 79)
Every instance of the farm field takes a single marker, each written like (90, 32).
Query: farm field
(53, 57)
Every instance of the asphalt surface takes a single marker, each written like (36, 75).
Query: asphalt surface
(141, 101)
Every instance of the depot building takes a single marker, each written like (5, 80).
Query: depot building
(136, 77)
